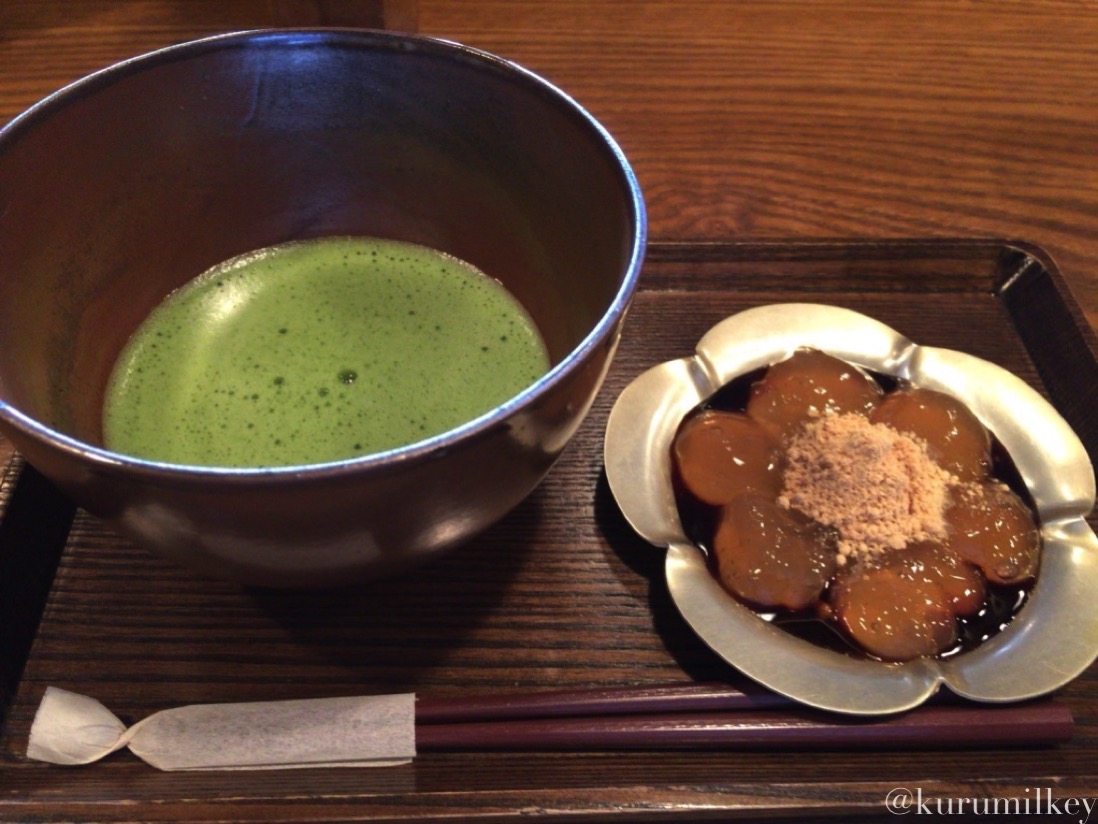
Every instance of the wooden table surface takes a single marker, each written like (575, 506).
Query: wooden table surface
(745, 121)
(742, 120)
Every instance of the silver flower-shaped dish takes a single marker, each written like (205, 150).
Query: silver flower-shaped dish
(1052, 639)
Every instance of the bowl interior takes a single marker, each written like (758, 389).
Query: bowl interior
(123, 187)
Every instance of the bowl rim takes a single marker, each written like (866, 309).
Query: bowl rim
(19, 126)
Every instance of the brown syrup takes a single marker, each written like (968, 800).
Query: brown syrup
(699, 520)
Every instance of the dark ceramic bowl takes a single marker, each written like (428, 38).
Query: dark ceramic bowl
(123, 186)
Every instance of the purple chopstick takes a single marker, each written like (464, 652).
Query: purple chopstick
(625, 700)
(714, 716)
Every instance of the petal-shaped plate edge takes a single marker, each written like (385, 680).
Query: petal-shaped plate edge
(1053, 638)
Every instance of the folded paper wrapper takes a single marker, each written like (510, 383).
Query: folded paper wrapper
(323, 732)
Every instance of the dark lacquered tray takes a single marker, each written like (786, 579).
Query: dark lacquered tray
(561, 593)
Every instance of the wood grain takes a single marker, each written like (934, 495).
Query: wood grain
(743, 120)
(839, 119)
(559, 594)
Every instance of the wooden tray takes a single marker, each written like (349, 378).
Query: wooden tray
(560, 593)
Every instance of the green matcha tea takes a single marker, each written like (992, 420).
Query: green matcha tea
(317, 351)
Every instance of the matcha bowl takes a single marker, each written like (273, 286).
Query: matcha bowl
(123, 187)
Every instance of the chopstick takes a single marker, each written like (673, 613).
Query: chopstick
(709, 716)
(623, 700)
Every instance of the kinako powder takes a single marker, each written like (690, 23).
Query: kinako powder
(876, 486)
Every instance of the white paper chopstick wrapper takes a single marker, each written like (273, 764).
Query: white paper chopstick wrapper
(322, 732)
